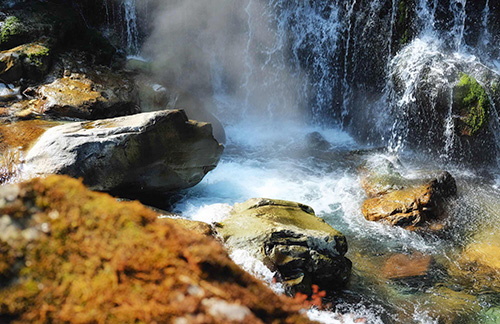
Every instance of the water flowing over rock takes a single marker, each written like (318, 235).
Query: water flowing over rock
(148, 152)
(478, 263)
(380, 68)
(290, 239)
(91, 259)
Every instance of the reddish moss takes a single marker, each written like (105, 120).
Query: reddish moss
(97, 260)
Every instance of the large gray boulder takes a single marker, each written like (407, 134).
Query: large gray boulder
(291, 240)
(145, 153)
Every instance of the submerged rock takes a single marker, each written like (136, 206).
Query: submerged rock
(478, 265)
(400, 266)
(145, 153)
(409, 203)
(290, 239)
(71, 255)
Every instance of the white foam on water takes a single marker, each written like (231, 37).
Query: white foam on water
(362, 315)
(255, 267)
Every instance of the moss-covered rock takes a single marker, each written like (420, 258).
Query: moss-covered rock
(72, 255)
(290, 239)
(93, 96)
(28, 61)
(12, 31)
(472, 103)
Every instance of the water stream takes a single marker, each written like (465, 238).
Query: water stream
(281, 70)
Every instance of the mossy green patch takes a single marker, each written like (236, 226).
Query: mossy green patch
(472, 103)
(36, 54)
(12, 26)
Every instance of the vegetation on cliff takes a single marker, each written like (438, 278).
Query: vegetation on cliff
(472, 102)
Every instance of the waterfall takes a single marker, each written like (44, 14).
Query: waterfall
(359, 74)
(131, 26)
(361, 64)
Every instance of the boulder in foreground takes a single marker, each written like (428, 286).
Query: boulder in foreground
(71, 255)
(152, 152)
(290, 239)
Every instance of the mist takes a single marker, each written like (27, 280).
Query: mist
(226, 57)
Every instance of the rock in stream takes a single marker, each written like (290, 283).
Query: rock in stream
(150, 152)
(290, 239)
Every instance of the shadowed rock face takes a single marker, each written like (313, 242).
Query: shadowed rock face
(288, 238)
(149, 152)
(68, 254)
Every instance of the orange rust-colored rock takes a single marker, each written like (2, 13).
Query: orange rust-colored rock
(73, 255)
(405, 266)
(412, 206)
(15, 138)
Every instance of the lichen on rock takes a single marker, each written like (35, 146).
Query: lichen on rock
(30, 61)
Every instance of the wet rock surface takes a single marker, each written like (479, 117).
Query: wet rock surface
(478, 264)
(72, 255)
(406, 202)
(288, 238)
(400, 266)
(149, 152)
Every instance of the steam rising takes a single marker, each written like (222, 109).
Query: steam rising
(225, 54)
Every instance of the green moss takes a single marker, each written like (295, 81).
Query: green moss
(11, 27)
(36, 54)
(472, 103)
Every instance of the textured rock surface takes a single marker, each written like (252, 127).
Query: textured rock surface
(71, 255)
(290, 239)
(413, 205)
(403, 201)
(149, 152)
(29, 61)
(81, 97)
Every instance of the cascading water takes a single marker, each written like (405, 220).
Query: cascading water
(131, 23)
(276, 71)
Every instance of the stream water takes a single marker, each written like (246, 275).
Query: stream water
(282, 73)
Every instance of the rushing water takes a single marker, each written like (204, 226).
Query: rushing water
(281, 70)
